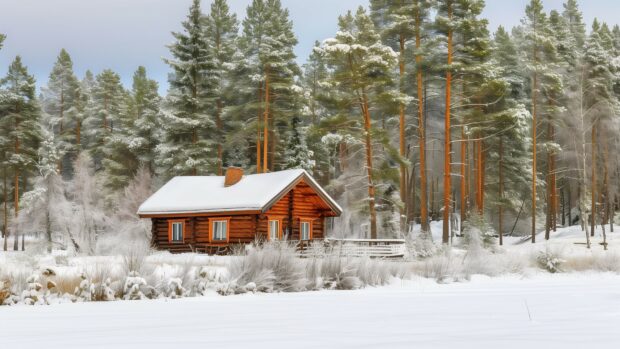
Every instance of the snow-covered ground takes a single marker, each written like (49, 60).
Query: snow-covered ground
(521, 306)
(540, 311)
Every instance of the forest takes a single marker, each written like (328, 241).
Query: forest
(412, 112)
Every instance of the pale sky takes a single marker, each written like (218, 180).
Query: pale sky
(123, 34)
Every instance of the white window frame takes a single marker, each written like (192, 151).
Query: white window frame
(223, 223)
(177, 229)
(301, 230)
(278, 228)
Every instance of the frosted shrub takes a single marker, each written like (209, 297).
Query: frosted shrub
(442, 267)
(175, 288)
(272, 267)
(85, 292)
(206, 279)
(104, 291)
(33, 293)
(6, 296)
(550, 260)
(134, 256)
(478, 234)
(421, 246)
(133, 284)
(339, 273)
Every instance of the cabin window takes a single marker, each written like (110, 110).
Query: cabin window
(305, 230)
(220, 230)
(175, 233)
(274, 230)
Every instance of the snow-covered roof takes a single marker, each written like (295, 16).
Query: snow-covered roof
(203, 194)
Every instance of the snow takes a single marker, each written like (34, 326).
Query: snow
(555, 311)
(196, 194)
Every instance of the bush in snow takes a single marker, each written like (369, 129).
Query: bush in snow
(339, 273)
(420, 245)
(104, 291)
(206, 279)
(175, 289)
(85, 291)
(270, 267)
(6, 296)
(33, 293)
(478, 234)
(550, 260)
(133, 284)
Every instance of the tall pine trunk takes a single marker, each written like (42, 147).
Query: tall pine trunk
(266, 124)
(501, 191)
(463, 176)
(258, 135)
(447, 156)
(402, 142)
(369, 167)
(593, 190)
(421, 128)
(5, 223)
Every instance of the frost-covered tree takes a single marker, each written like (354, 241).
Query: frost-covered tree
(105, 113)
(221, 27)
(362, 67)
(539, 56)
(88, 218)
(186, 118)
(60, 103)
(297, 154)
(20, 131)
(136, 135)
(267, 65)
(45, 207)
(145, 131)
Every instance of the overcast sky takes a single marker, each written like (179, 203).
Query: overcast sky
(123, 34)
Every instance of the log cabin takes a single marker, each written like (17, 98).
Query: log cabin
(210, 213)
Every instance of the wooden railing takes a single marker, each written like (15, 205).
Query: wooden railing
(374, 248)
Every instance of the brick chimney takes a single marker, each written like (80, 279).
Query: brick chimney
(233, 176)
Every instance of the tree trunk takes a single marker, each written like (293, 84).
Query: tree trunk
(402, 142)
(534, 97)
(463, 176)
(258, 138)
(218, 124)
(447, 155)
(16, 206)
(593, 190)
(369, 168)
(501, 191)
(421, 129)
(266, 125)
(5, 222)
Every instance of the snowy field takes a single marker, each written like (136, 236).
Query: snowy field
(538, 311)
(440, 302)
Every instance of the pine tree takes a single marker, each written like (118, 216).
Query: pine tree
(20, 127)
(186, 119)
(297, 154)
(45, 206)
(107, 100)
(509, 125)
(540, 52)
(267, 44)
(221, 31)
(599, 101)
(145, 130)
(60, 101)
(362, 67)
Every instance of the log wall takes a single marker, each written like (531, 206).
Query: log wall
(299, 203)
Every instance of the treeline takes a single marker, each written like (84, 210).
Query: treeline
(412, 112)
